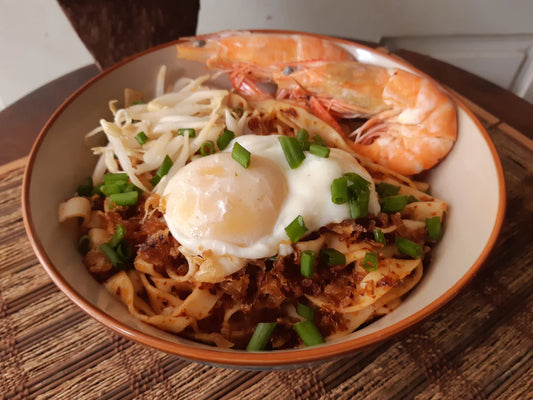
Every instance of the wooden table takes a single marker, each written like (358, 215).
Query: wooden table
(479, 346)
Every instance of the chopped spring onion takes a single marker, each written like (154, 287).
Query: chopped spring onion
(141, 138)
(296, 229)
(84, 244)
(292, 150)
(162, 171)
(120, 178)
(393, 204)
(318, 140)
(98, 189)
(120, 231)
(124, 251)
(302, 135)
(370, 262)
(112, 188)
(319, 150)
(130, 187)
(86, 187)
(409, 248)
(110, 253)
(241, 155)
(385, 189)
(137, 102)
(379, 236)
(305, 311)
(358, 203)
(433, 227)
(189, 131)
(307, 263)
(358, 182)
(261, 335)
(339, 191)
(412, 199)
(332, 257)
(207, 148)
(224, 139)
(308, 332)
(124, 199)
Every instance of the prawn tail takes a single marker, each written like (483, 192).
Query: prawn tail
(321, 112)
(247, 87)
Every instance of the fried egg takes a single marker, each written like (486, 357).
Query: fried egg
(215, 204)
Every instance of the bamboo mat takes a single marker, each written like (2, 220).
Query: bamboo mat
(479, 346)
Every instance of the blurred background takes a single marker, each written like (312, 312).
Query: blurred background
(491, 38)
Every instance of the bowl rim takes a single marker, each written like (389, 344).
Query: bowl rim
(256, 359)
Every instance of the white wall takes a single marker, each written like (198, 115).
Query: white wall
(37, 45)
(490, 37)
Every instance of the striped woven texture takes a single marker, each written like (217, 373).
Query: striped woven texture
(479, 346)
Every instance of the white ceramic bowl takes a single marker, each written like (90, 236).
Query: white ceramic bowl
(470, 180)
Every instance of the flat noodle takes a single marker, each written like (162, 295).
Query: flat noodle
(220, 299)
(121, 285)
(390, 300)
(421, 210)
(76, 207)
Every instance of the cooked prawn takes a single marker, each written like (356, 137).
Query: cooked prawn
(226, 50)
(412, 124)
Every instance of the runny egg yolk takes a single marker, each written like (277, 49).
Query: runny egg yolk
(215, 199)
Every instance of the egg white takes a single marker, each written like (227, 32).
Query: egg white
(306, 191)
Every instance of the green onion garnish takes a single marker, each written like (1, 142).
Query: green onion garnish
(84, 244)
(302, 135)
(292, 150)
(339, 191)
(409, 248)
(137, 102)
(241, 155)
(307, 263)
(319, 150)
(120, 178)
(393, 204)
(358, 182)
(124, 251)
(308, 332)
(141, 138)
(358, 203)
(189, 131)
(112, 188)
(207, 148)
(162, 171)
(86, 187)
(318, 140)
(386, 189)
(412, 199)
(124, 199)
(305, 311)
(98, 189)
(155, 180)
(110, 253)
(120, 231)
(370, 262)
(224, 139)
(130, 187)
(433, 227)
(296, 229)
(261, 335)
(332, 257)
(379, 236)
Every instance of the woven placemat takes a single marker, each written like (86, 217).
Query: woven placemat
(479, 346)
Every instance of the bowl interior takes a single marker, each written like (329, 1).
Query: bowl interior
(61, 159)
